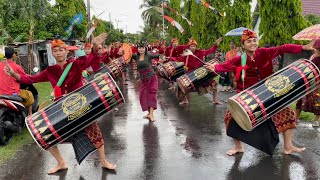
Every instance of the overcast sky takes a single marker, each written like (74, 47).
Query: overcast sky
(123, 13)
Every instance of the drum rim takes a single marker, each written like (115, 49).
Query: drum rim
(179, 85)
(312, 64)
(124, 101)
(231, 104)
(31, 132)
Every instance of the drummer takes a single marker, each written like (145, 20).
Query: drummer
(174, 51)
(93, 138)
(259, 66)
(191, 63)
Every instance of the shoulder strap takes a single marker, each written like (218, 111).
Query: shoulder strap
(243, 64)
(64, 74)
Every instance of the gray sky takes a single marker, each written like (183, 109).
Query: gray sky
(123, 13)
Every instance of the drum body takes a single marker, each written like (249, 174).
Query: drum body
(120, 62)
(171, 70)
(194, 79)
(114, 68)
(74, 112)
(258, 103)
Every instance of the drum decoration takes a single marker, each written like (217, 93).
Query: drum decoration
(114, 68)
(74, 112)
(127, 52)
(171, 70)
(195, 79)
(258, 103)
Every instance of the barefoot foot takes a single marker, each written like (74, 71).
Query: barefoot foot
(293, 149)
(107, 165)
(151, 118)
(235, 150)
(58, 168)
(216, 102)
(146, 116)
(184, 102)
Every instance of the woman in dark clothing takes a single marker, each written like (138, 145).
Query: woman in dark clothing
(149, 81)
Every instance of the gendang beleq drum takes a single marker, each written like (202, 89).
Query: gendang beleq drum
(57, 122)
(261, 101)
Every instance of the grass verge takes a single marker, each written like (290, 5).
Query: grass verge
(22, 138)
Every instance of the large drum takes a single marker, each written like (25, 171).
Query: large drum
(114, 68)
(256, 104)
(120, 62)
(171, 70)
(195, 79)
(110, 68)
(67, 116)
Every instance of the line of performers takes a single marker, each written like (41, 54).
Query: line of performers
(146, 61)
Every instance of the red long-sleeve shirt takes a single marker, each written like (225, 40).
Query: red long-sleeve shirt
(104, 58)
(263, 61)
(175, 52)
(191, 62)
(52, 74)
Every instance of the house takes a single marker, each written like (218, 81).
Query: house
(41, 54)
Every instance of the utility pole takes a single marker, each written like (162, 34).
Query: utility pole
(89, 17)
(163, 19)
(110, 20)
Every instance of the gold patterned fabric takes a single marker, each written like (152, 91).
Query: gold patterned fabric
(283, 120)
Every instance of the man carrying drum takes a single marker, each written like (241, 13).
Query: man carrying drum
(90, 138)
(259, 66)
(191, 63)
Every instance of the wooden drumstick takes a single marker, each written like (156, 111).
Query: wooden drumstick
(187, 52)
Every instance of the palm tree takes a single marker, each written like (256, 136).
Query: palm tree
(152, 12)
(31, 11)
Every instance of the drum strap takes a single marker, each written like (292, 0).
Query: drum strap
(241, 70)
(57, 89)
(243, 64)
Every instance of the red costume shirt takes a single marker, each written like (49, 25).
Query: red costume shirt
(52, 74)
(176, 51)
(191, 62)
(262, 60)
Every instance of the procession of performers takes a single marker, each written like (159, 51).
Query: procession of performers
(257, 67)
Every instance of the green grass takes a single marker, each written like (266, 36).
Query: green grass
(306, 116)
(22, 138)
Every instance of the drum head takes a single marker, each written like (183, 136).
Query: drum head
(240, 115)
(182, 88)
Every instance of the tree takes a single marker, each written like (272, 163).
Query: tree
(152, 13)
(280, 20)
(173, 31)
(237, 15)
(67, 10)
(186, 11)
(314, 19)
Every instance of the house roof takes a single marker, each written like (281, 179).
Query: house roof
(310, 7)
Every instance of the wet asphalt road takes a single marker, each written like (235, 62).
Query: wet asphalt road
(186, 142)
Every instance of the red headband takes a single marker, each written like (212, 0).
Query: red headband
(58, 43)
(174, 40)
(247, 34)
(87, 45)
(192, 42)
